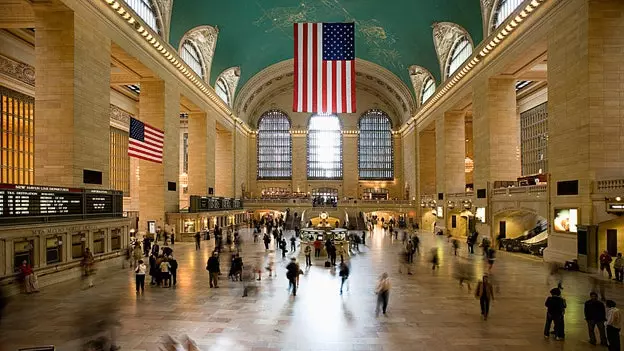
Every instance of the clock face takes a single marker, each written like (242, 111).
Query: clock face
(323, 215)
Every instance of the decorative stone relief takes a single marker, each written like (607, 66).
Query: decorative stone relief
(445, 34)
(418, 75)
(487, 6)
(230, 76)
(164, 9)
(205, 39)
(17, 70)
(119, 117)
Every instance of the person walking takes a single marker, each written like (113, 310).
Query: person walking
(146, 246)
(318, 245)
(383, 293)
(293, 243)
(139, 273)
(137, 254)
(308, 252)
(555, 309)
(409, 250)
(212, 266)
(292, 272)
(614, 325)
(87, 263)
(29, 277)
(364, 238)
(267, 240)
(491, 257)
(435, 259)
(618, 267)
(282, 246)
(174, 270)
(342, 252)
(485, 294)
(455, 244)
(595, 316)
(605, 263)
(172, 238)
(344, 275)
(197, 241)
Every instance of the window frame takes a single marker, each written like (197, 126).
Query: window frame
(377, 119)
(425, 89)
(190, 51)
(221, 85)
(311, 134)
(507, 8)
(280, 117)
(143, 8)
(456, 53)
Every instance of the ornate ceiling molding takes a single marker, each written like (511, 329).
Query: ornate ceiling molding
(280, 74)
(163, 9)
(487, 9)
(231, 76)
(205, 39)
(418, 75)
(17, 70)
(445, 34)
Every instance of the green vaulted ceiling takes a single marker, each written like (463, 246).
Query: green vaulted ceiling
(255, 34)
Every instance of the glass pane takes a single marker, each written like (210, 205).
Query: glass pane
(461, 52)
(375, 156)
(274, 146)
(324, 147)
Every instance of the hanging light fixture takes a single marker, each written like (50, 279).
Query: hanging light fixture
(469, 164)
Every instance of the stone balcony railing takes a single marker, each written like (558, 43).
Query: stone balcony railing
(460, 195)
(531, 189)
(348, 203)
(609, 186)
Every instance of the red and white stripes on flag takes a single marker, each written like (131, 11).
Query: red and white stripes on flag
(145, 142)
(324, 77)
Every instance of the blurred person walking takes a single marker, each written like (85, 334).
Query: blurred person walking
(292, 272)
(485, 294)
(344, 275)
(383, 293)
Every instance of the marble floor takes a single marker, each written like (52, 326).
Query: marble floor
(427, 311)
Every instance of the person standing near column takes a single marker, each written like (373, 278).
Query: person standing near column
(614, 325)
(485, 294)
(595, 316)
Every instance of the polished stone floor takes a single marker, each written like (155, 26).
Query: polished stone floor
(427, 311)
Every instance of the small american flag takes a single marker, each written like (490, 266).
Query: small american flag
(145, 142)
(324, 68)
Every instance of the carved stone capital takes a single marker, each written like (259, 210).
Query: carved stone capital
(205, 39)
(445, 34)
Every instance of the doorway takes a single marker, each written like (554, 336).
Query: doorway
(502, 229)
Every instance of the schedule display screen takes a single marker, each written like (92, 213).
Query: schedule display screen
(22, 201)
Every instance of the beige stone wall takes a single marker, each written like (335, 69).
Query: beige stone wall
(241, 163)
(408, 143)
(72, 98)
(427, 162)
(450, 153)
(224, 163)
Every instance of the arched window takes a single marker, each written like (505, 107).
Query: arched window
(428, 90)
(324, 147)
(274, 146)
(462, 50)
(504, 8)
(145, 10)
(222, 91)
(190, 55)
(375, 156)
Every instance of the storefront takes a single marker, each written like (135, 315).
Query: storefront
(186, 225)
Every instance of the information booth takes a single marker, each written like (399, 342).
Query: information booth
(338, 236)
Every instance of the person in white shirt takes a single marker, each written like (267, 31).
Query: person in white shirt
(614, 324)
(140, 271)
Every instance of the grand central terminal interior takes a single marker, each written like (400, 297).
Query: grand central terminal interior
(125, 121)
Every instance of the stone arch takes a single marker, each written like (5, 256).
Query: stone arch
(205, 40)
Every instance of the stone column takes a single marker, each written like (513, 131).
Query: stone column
(159, 106)
(211, 139)
(72, 97)
(495, 132)
(299, 163)
(410, 157)
(241, 162)
(350, 171)
(198, 154)
(427, 162)
(450, 153)
(585, 109)
(224, 163)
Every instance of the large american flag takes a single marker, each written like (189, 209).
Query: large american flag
(145, 142)
(324, 68)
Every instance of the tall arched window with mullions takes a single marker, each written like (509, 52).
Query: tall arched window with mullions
(324, 147)
(190, 55)
(462, 50)
(503, 9)
(375, 156)
(274, 146)
(145, 10)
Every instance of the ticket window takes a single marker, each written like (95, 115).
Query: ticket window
(99, 243)
(23, 251)
(54, 249)
(189, 226)
(115, 239)
(78, 246)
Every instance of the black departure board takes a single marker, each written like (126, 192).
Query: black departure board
(206, 203)
(31, 201)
